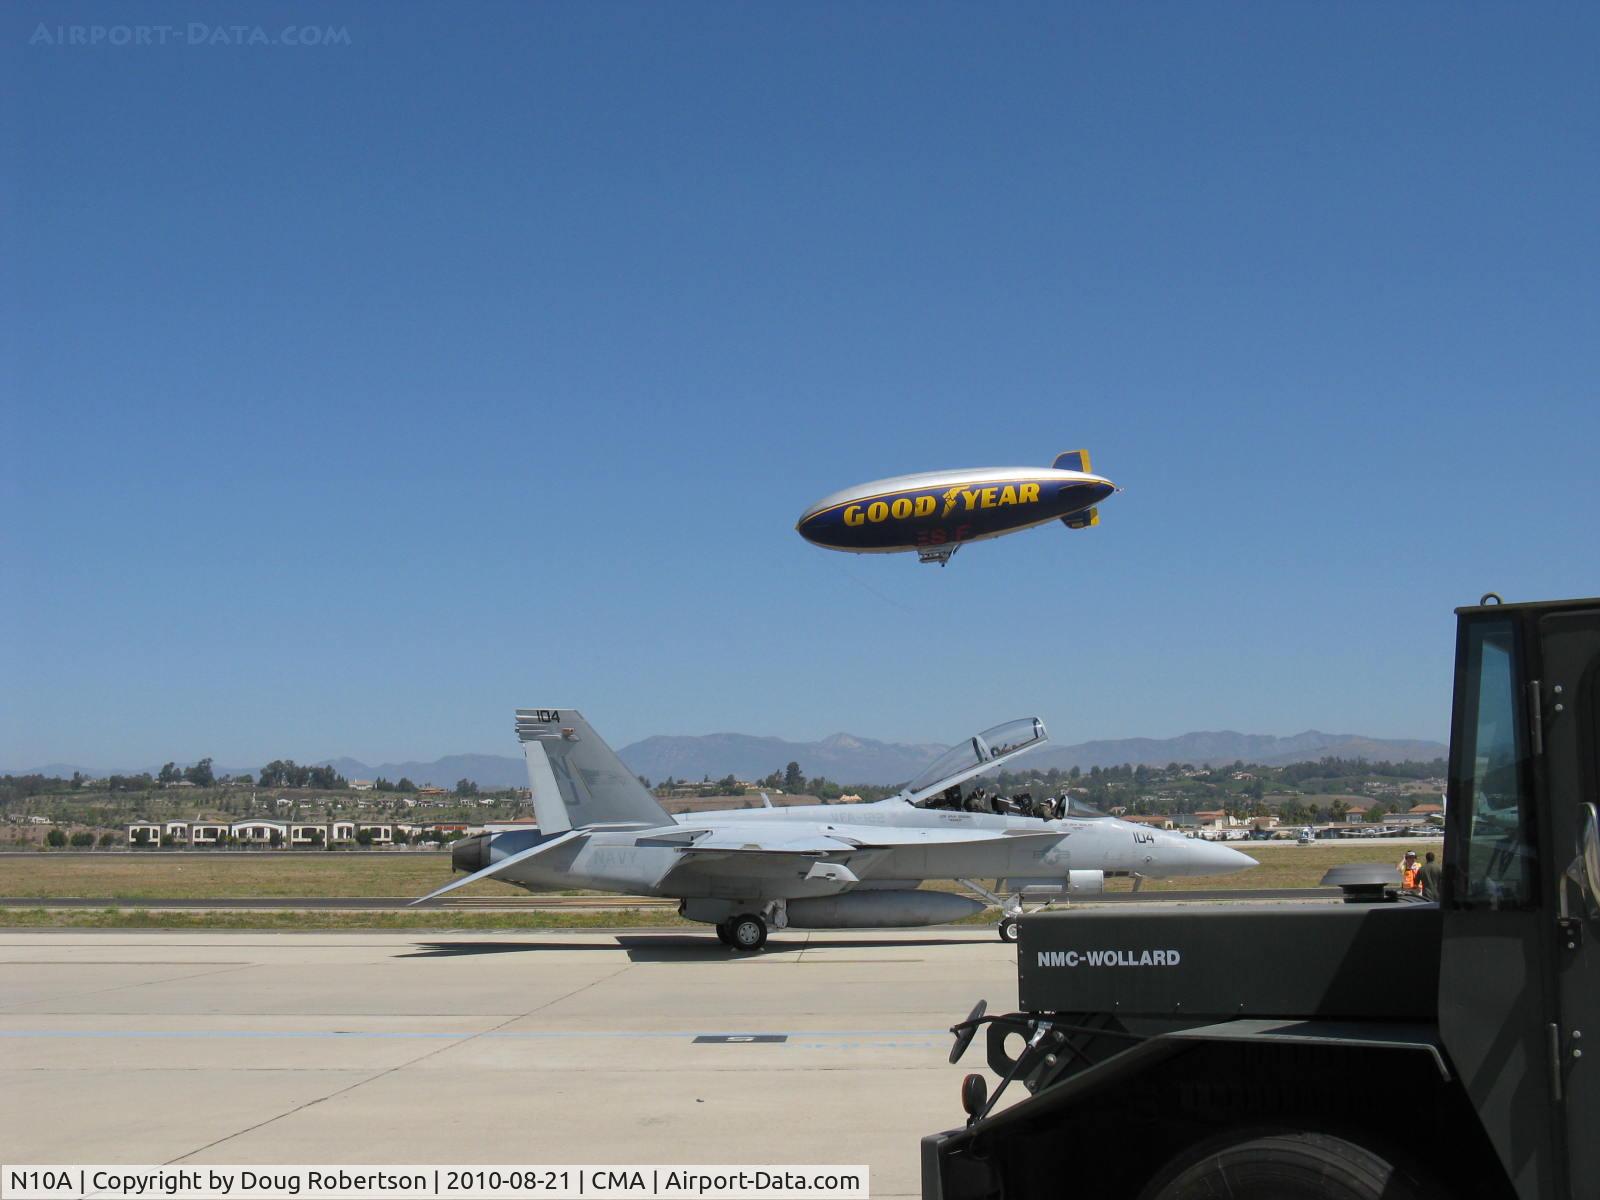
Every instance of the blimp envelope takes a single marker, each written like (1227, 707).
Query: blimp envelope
(937, 512)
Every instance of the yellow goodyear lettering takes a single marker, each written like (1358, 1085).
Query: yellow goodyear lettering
(987, 497)
(901, 508)
(852, 515)
(925, 505)
(1028, 493)
(950, 498)
(970, 499)
(877, 511)
(1008, 495)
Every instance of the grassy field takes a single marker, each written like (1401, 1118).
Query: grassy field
(1286, 865)
(179, 876)
(422, 919)
(131, 878)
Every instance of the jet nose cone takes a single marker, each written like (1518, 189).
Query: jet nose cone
(1209, 858)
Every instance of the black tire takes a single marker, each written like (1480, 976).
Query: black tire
(747, 932)
(1010, 929)
(723, 935)
(1282, 1165)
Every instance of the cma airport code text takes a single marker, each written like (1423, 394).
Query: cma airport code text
(484, 1182)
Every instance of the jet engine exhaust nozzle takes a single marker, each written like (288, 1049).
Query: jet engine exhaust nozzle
(470, 854)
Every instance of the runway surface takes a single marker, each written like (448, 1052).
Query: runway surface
(581, 903)
(526, 1048)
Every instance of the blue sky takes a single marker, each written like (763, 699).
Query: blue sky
(356, 394)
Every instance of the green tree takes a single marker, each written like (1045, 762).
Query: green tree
(200, 774)
(107, 840)
(793, 780)
(465, 787)
(169, 774)
(83, 839)
(405, 785)
(323, 778)
(55, 839)
(364, 837)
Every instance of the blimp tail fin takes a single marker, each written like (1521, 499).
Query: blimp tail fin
(1077, 460)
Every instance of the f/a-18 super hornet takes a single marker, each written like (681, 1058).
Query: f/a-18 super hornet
(839, 866)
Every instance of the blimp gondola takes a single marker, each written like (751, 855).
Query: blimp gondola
(937, 512)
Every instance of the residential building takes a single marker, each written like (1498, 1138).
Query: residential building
(254, 831)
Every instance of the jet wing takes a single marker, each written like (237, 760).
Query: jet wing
(874, 838)
(775, 842)
(766, 851)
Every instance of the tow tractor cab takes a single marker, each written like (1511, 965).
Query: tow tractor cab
(1368, 1049)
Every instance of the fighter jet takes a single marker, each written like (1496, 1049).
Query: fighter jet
(853, 866)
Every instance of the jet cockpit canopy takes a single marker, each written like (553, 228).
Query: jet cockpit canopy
(977, 754)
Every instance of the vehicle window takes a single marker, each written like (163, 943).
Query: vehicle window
(1498, 865)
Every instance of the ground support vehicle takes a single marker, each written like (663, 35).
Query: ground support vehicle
(1393, 1049)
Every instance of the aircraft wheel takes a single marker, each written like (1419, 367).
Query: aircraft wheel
(1283, 1165)
(747, 932)
(723, 934)
(1009, 929)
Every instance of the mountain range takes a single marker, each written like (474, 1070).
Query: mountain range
(846, 758)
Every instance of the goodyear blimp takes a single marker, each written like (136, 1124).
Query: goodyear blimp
(938, 512)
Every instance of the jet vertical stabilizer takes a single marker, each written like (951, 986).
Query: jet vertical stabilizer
(577, 779)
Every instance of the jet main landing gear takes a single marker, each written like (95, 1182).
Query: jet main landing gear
(746, 932)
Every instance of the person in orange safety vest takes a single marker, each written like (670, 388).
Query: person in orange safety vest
(1408, 871)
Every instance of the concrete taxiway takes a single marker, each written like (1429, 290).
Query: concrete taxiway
(538, 1048)
(592, 903)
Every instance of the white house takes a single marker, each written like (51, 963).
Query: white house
(308, 835)
(254, 831)
(207, 833)
(144, 833)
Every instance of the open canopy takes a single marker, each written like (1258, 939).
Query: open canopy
(979, 753)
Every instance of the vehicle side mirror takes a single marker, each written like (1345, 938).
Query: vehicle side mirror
(1588, 861)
